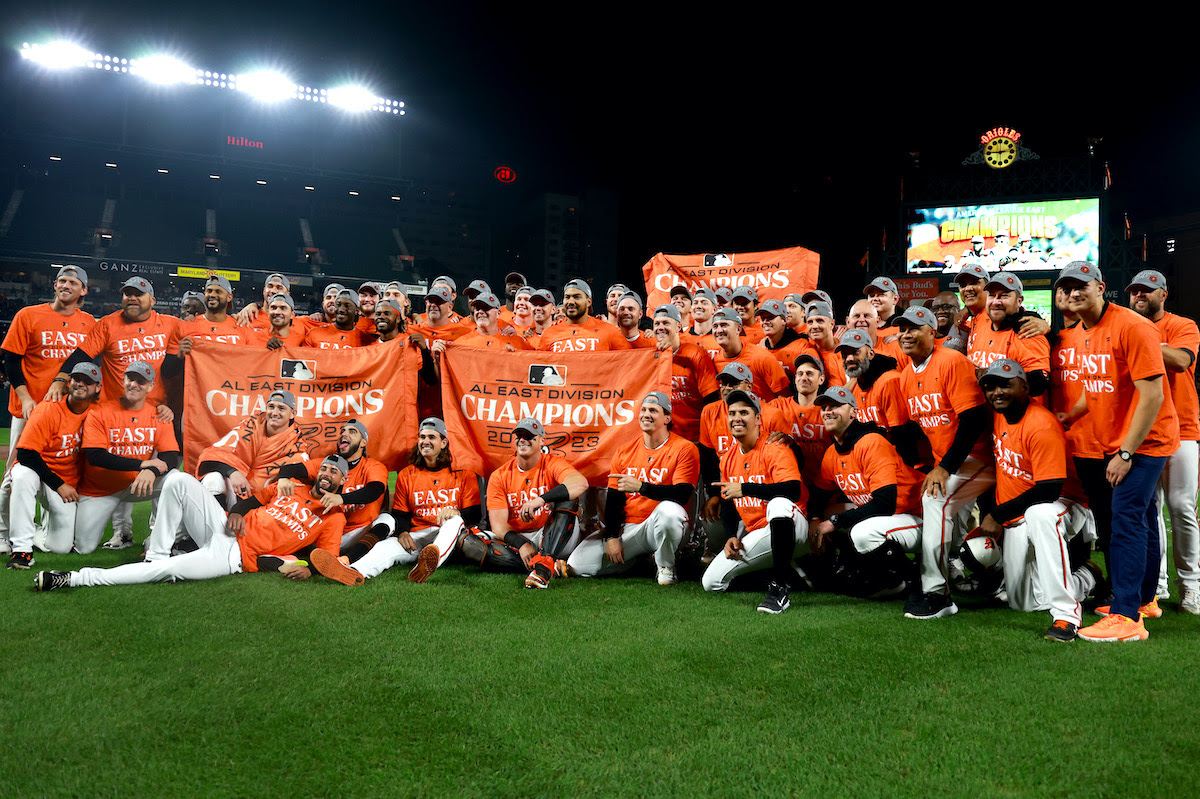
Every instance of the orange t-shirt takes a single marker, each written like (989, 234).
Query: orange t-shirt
(764, 464)
(714, 425)
(366, 470)
(871, 464)
(753, 333)
(835, 370)
(1124, 346)
(883, 404)
(1181, 333)
(301, 323)
(693, 378)
(118, 343)
(937, 392)
(592, 335)
(259, 338)
(425, 494)
(43, 338)
(249, 449)
(510, 488)
(674, 461)
(227, 332)
(770, 381)
(477, 339)
(644, 340)
(803, 423)
(890, 346)
(284, 525)
(788, 353)
(55, 432)
(987, 345)
(1030, 451)
(331, 338)
(1065, 388)
(451, 331)
(137, 434)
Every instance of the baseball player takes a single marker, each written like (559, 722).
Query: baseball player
(252, 314)
(704, 305)
(876, 386)
(214, 324)
(779, 339)
(883, 293)
(246, 458)
(1040, 504)
(650, 486)
(763, 508)
(681, 298)
(819, 318)
(368, 296)
(363, 490)
(260, 533)
(770, 381)
(580, 332)
(345, 332)
(1134, 419)
(128, 449)
(39, 339)
(995, 336)
(1147, 295)
(47, 465)
(715, 436)
(883, 522)
(542, 303)
(281, 329)
(946, 405)
(445, 315)
(485, 311)
(865, 316)
(530, 501)
(513, 283)
(629, 317)
(802, 427)
(744, 301)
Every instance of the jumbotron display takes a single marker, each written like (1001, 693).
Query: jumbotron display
(1019, 236)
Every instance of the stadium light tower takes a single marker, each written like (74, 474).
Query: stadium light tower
(163, 70)
(267, 85)
(354, 98)
(57, 55)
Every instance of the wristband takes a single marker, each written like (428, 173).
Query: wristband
(59, 380)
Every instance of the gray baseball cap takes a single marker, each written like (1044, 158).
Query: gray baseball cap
(1003, 369)
(284, 298)
(617, 287)
(811, 360)
(477, 287)
(1083, 271)
(816, 294)
(976, 271)
(87, 369)
(191, 295)
(744, 293)
(917, 316)
(724, 293)
(531, 426)
(771, 308)
(447, 280)
(221, 281)
(1148, 279)
(580, 284)
(140, 284)
(284, 396)
(71, 270)
(680, 289)
(818, 309)
(287, 284)
(349, 295)
(487, 299)
(339, 462)
(333, 288)
(836, 395)
(360, 427)
(509, 278)
(1005, 281)
(369, 286)
(631, 295)
(854, 339)
(390, 303)
(668, 309)
(736, 371)
(727, 315)
(142, 370)
(395, 284)
(435, 424)
(796, 298)
(544, 295)
(738, 395)
(883, 284)
(658, 398)
(707, 294)
(439, 293)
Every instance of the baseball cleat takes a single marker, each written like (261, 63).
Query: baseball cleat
(930, 606)
(51, 580)
(1190, 602)
(21, 560)
(667, 576)
(427, 563)
(776, 601)
(1113, 628)
(118, 541)
(328, 565)
(1150, 610)
(274, 563)
(1062, 630)
(542, 572)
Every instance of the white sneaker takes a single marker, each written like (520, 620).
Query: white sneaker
(118, 541)
(1190, 602)
(667, 576)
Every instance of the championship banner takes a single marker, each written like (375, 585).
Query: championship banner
(773, 274)
(588, 402)
(224, 384)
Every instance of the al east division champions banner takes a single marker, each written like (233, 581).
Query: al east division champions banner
(588, 402)
(773, 274)
(224, 384)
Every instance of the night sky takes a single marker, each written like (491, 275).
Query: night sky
(725, 132)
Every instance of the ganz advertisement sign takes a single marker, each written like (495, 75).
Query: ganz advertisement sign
(130, 268)
(773, 274)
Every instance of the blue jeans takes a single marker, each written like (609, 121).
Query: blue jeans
(1133, 551)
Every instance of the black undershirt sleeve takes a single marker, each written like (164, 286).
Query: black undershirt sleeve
(244, 506)
(403, 521)
(614, 513)
(678, 492)
(730, 518)
(97, 456)
(365, 495)
(710, 465)
(472, 515)
(12, 369)
(293, 471)
(428, 371)
(972, 423)
(172, 365)
(883, 503)
(1042, 491)
(223, 469)
(31, 459)
(905, 439)
(790, 490)
(76, 357)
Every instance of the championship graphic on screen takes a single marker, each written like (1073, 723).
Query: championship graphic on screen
(1013, 237)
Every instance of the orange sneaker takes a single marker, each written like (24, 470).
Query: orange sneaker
(1115, 627)
(1150, 610)
(427, 563)
(332, 567)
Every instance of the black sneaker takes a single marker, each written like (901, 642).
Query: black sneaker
(1062, 630)
(776, 601)
(51, 581)
(930, 606)
(20, 560)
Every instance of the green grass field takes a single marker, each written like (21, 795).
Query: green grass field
(469, 685)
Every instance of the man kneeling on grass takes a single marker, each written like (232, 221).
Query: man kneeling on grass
(255, 536)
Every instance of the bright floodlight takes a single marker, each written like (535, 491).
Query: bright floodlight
(57, 55)
(164, 70)
(353, 98)
(268, 86)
